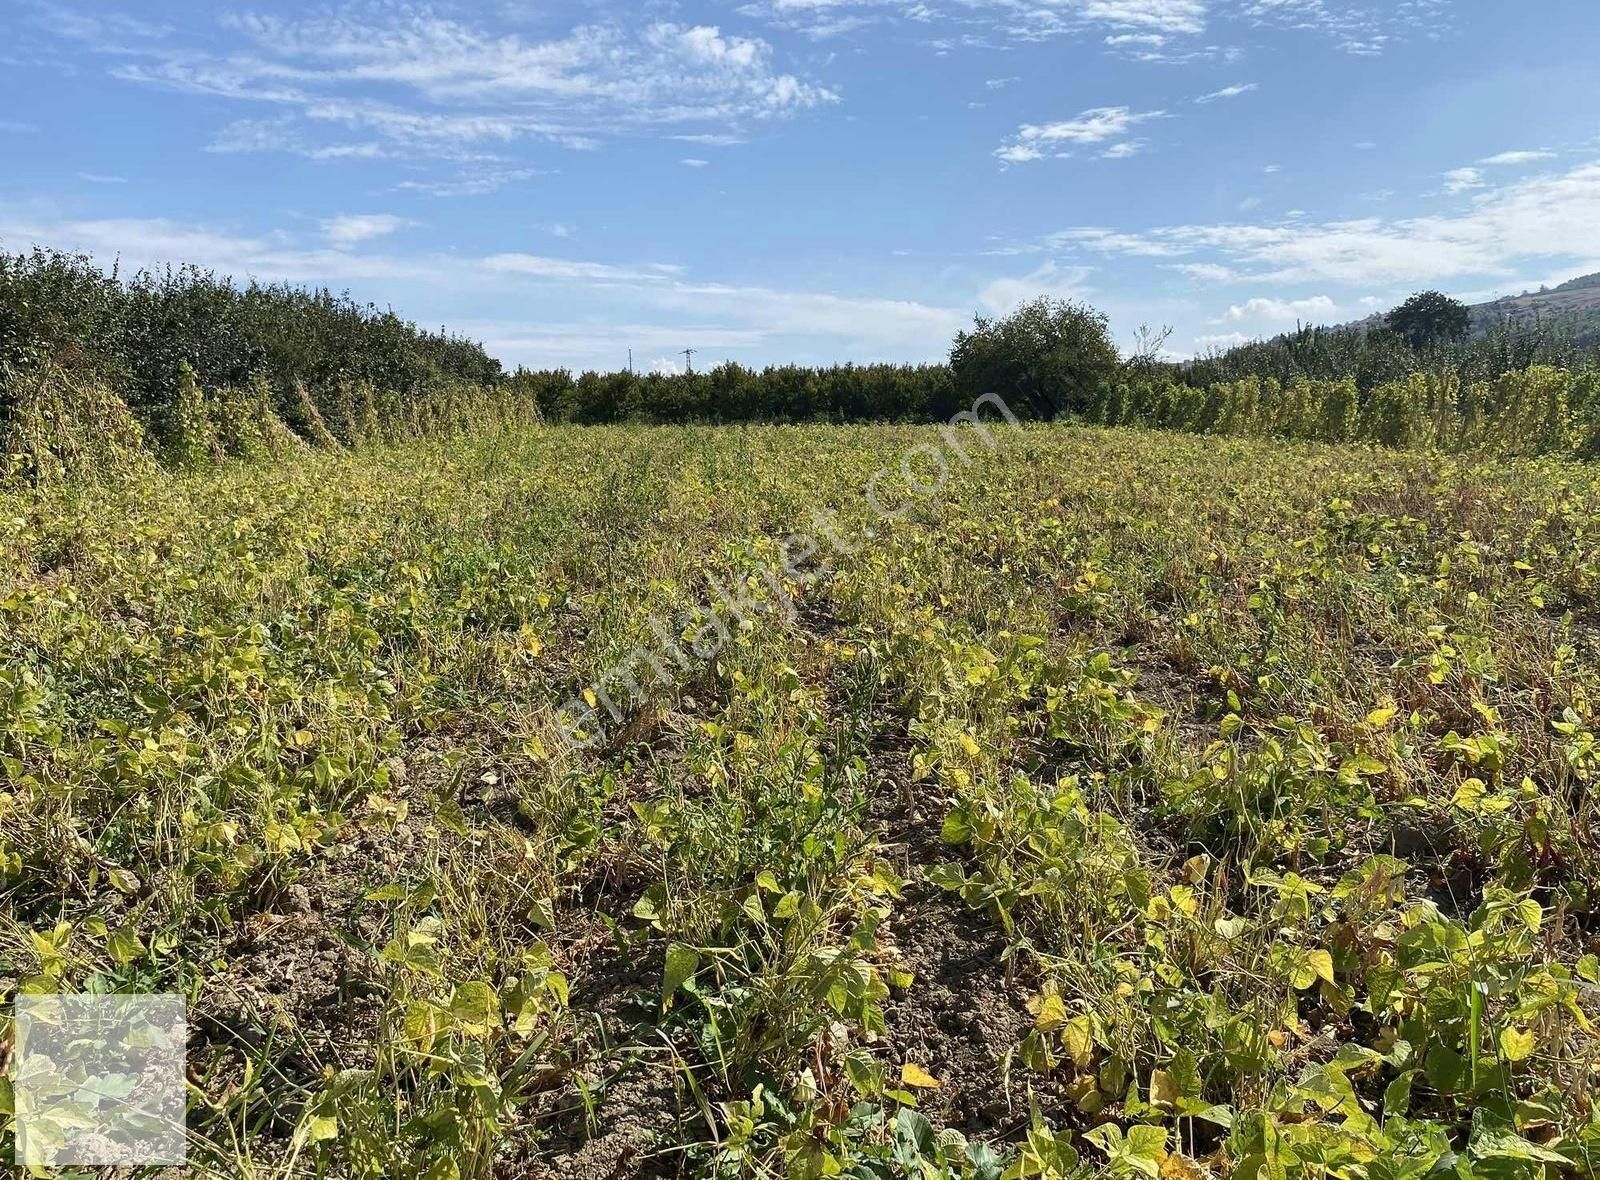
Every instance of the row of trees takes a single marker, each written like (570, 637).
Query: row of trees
(1413, 380)
(733, 393)
(1046, 359)
(200, 365)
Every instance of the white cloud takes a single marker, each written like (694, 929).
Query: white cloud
(422, 83)
(1123, 150)
(1542, 218)
(1282, 310)
(1165, 16)
(101, 178)
(351, 229)
(1220, 341)
(281, 135)
(1207, 272)
(540, 267)
(709, 140)
(1460, 180)
(1233, 91)
(1517, 157)
(1150, 30)
(1059, 282)
(1108, 241)
(470, 181)
(693, 162)
(1033, 141)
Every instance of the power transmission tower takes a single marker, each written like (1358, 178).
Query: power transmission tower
(630, 360)
(688, 359)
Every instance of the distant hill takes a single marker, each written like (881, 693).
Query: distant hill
(1574, 305)
(1557, 326)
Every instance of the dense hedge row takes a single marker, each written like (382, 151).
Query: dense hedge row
(1538, 410)
(67, 328)
(733, 393)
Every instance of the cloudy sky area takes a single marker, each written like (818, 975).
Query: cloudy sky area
(814, 180)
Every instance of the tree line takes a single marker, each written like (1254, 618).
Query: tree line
(187, 365)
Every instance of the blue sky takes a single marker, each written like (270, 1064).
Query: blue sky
(814, 180)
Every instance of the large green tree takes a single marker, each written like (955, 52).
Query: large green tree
(1430, 318)
(1051, 355)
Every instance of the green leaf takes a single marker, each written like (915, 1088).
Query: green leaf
(475, 1007)
(1508, 1145)
(1397, 1095)
(681, 964)
(124, 945)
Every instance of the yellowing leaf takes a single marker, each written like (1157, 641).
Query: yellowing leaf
(1516, 1045)
(1078, 1038)
(1381, 717)
(322, 1126)
(124, 945)
(912, 1074)
(1469, 795)
(1050, 1013)
(475, 1007)
(1322, 963)
(1163, 1090)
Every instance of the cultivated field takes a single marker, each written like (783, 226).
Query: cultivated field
(531, 804)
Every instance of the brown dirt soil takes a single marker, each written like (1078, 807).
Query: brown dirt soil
(965, 1009)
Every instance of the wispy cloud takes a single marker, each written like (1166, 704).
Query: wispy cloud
(1233, 91)
(1051, 278)
(1155, 30)
(1505, 230)
(412, 82)
(101, 178)
(705, 139)
(1461, 180)
(1517, 157)
(471, 180)
(1035, 141)
(351, 229)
